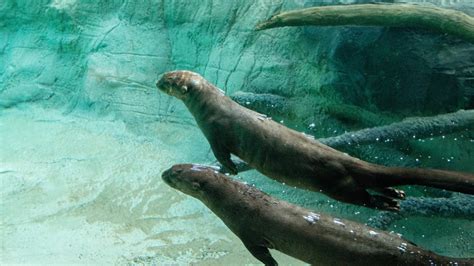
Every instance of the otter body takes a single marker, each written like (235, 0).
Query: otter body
(263, 223)
(292, 157)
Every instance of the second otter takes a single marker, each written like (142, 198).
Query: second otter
(263, 222)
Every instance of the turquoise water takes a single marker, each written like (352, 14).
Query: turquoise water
(85, 135)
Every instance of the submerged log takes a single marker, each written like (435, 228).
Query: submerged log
(266, 103)
(458, 206)
(441, 20)
(420, 127)
(271, 104)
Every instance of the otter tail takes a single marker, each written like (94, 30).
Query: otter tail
(381, 176)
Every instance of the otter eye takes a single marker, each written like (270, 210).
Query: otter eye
(196, 186)
(184, 89)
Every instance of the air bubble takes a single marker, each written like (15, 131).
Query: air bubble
(312, 218)
(373, 233)
(337, 221)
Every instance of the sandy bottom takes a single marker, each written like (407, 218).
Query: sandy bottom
(82, 191)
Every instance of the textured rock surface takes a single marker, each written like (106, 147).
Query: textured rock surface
(77, 190)
(106, 56)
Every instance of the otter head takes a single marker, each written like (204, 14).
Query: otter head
(180, 83)
(191, 179)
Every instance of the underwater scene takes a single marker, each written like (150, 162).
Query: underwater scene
(237, 132)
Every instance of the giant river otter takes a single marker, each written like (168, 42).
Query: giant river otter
(263, 222)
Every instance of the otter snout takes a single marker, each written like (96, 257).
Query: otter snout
(164, 85)
(172, 175)
(167, 176)
(160, 83)
(175, 83)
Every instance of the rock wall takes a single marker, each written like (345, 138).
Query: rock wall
(105, 56)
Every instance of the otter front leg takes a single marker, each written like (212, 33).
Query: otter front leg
(262, 254)
(223, 156)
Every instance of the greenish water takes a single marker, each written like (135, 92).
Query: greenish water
(85, 135)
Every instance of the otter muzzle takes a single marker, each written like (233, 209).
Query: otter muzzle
(168, 177)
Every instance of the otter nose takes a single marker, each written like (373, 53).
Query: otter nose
(160, 82)
(167, 176)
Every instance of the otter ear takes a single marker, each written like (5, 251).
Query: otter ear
(184, 89)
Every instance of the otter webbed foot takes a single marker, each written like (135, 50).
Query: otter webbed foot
(223, 156)
(391, 192)
(240, 165)
(227, 165)
(384, 203)
(229, 169)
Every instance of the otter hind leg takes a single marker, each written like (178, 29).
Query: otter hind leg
(359, 196)
(350, 190)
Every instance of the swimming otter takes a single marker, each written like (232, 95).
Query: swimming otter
(263, 222)
(292, 157)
